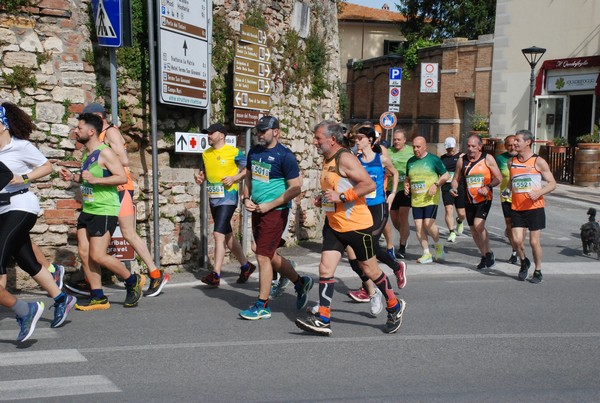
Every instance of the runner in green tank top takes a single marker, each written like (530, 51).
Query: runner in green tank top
(98, 199)
(101, 172)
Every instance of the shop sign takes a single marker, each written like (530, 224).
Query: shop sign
(576, 82)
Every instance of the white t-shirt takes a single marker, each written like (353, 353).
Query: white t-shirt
(21, 157)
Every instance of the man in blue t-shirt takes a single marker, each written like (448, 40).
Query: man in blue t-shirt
(272, 181)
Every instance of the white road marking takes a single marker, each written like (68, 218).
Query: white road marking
(53, 387)
(40, 357)
(38, 334)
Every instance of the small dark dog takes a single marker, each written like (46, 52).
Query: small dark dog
(590, 234)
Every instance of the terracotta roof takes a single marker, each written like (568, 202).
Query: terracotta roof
(354, 12)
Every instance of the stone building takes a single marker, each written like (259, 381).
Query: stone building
(50, 67)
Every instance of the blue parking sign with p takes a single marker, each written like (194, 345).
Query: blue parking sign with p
(395, 73)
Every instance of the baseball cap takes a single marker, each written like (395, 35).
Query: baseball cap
(215, 127)
(267, 122)
(450, 142)
(94, 108)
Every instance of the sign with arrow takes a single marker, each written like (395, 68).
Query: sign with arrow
(183, 53)
(252, 83)
(197, 142)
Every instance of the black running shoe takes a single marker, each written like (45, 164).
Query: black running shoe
(490, 260)
(537, 277)
(513, 259)
(134, 292)
(525, 265)
(314, 324)
(481, 264)
(156, 285)
(394, 318)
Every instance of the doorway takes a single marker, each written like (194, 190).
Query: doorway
(580, 115)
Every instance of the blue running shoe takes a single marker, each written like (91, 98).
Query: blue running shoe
(256, 312)
(59, 275)
(302, 291)
(27, 323)
(279, 286)
(61, 311)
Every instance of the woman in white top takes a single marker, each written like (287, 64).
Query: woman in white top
(19, 207)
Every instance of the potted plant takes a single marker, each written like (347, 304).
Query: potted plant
(480, 124)
(589, 140)
(559, 144)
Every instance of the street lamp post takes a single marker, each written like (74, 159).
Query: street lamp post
(533, 56)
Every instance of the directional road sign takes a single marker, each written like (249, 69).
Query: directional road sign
(196, 142)
(108, 21)
(246, 118)
(183, 53)
(253, 35)
(252, 71)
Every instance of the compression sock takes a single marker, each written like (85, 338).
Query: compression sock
(326, 286)
(386, 289)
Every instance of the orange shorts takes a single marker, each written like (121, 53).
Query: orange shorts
(126, 197)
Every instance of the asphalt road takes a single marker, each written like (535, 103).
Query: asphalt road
(466, 336)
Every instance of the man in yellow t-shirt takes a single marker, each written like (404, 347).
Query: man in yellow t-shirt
(223, 167)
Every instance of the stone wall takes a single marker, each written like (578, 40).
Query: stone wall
(52, 41)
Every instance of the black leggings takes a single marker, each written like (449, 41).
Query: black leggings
(380, 215)
(15, 241)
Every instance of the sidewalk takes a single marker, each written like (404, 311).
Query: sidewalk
(586, 194)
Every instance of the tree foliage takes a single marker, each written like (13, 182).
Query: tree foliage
(439, 19)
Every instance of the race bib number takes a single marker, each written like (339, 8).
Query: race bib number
(261, 171)
(87, 193)
(418, 187)
(522, 185)
(373, 194)
(451, 176)
(474, 181)
(215, 190)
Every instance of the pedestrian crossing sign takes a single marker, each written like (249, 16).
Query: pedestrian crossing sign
(108, 22)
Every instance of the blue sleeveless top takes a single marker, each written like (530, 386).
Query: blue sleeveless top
(377, 172)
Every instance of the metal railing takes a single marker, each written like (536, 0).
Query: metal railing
(561, 161)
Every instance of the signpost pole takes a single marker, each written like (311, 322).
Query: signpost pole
(153, 130)
(244, 211)
(114, 93)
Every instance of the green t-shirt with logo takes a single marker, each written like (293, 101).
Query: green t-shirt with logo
(502, 161)
(422, 173)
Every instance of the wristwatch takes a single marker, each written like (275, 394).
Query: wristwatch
(25, 179)
(343, 198)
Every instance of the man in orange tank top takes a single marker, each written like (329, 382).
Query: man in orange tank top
(526, 173)
(344, 184)
(481, 174)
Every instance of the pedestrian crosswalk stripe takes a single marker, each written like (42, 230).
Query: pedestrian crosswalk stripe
(38, 334)
(40, 357)
(53, 387)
